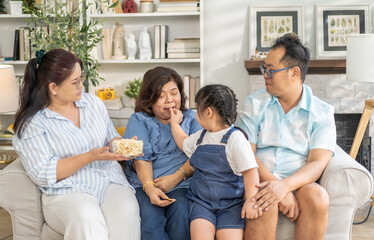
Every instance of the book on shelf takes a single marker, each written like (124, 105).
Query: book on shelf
(184, 44)
(21, 44)
(16, 45)
(186, 88)
(163, 40)
(184, 55)
(191, 85)
(192, 92)
(27, 40)
(157, 47)
(178, 9)
(33, 48)
(191, 39)
(183, 50)
(178, 6)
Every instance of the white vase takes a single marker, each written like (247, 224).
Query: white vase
(15, 7)
(128, 102)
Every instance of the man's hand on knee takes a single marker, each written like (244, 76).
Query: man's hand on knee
(289, 206)
(271, 193)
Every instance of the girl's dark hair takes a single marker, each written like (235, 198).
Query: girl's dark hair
(221, 98)
(151, 88)
(56, 66)
(296, 53)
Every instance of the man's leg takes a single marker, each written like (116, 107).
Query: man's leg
(263, 227)
(314, 205)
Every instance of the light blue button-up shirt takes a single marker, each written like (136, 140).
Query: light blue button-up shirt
(159, 145)
(284, 140)
(50, 137)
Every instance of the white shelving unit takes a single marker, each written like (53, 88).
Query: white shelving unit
(8, 24)
(117, 73)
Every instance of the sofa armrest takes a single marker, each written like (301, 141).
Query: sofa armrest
(22, 199)
(349, 186)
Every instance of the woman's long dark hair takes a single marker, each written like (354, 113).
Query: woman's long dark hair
(56, 66)
(151, 88)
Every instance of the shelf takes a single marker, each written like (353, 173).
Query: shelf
(315, 66)
(15, 15)
(135, 15)
(184, 60)
(14, 62)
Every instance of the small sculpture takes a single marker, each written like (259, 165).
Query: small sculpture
(145, 48)
(118, 42)
(132, 47)
(129, 6)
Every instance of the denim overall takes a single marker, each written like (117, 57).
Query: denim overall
(215, 193)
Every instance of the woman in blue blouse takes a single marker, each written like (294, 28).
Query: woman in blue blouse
(62, 137)
(161, 175)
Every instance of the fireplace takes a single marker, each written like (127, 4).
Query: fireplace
(346, 125)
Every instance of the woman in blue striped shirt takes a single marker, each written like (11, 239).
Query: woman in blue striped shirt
(63, 137)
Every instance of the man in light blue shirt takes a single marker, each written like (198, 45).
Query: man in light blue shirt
(293, 136)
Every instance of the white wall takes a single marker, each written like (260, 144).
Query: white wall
(226, 38)
(226, 46)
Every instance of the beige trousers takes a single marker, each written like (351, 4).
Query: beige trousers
(79, 216)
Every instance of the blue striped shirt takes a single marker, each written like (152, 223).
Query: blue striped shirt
(284, 140)
(50, 137)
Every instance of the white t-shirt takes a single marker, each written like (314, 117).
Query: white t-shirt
(238, 149)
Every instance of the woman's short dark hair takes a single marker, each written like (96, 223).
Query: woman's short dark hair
(221, 98)
(55, 67)
(296, 53)
(153, 82)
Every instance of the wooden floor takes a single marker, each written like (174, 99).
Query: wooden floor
(363, 231)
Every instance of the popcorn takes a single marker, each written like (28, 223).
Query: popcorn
(128, 147)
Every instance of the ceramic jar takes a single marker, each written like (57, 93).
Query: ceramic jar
(146, 6)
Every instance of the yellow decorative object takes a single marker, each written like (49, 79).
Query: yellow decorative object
(121, 130)
(106, 93)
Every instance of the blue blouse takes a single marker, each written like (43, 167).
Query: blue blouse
(159, 145)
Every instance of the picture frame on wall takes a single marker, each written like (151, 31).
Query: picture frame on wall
(267, 23)
(334, 23)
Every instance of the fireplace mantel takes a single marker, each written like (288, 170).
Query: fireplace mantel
(315, 66)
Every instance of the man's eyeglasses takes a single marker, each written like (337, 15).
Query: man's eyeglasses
(269, 73)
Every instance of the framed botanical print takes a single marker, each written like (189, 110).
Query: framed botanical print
(267, 23)
(334, 23)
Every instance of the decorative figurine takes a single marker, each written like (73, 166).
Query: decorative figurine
(131, 46)
(145, 48)
(129, 6)
(118, 42)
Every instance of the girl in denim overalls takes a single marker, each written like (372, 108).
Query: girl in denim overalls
(221, 157)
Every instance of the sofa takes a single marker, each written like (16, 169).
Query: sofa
(348, 183)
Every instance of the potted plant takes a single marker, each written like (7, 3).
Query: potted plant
(63, 24)
(2, 7)
(15, 6)
(132, 92)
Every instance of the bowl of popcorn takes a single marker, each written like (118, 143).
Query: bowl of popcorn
(128, 147)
